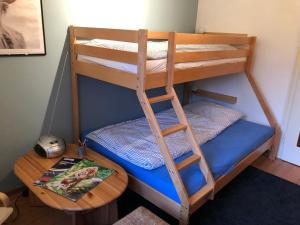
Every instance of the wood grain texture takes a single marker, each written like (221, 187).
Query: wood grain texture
(30, 167)
(183, 38)
(231, 34)
(173, 129)
(182, 57)
(160, 98)
(216, 96)
(153, 35)
(105, 215)
(106, 53)
(171, 61)
(198, 196)
(168, 159)
(155, 80)
(279, 168)
(142, 58)
(105, 33)
(74, 90)
(187, 162)
(107, 74)
(191, 139)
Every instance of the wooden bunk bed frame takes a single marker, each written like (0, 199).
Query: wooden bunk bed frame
(143, 81)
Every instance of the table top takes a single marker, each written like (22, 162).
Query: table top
(31, 167)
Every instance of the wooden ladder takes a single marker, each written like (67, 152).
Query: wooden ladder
(183, 125)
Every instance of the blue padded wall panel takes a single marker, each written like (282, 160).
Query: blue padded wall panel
(103, 104)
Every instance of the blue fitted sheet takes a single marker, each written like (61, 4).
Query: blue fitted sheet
(222, 154)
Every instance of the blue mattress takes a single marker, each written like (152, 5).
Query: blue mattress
(222, 154)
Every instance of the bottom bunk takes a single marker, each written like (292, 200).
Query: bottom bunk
(227, 154)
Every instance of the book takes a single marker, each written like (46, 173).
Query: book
(61, 166)
(77, 180)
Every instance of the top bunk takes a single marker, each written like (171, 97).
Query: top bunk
(141, 58)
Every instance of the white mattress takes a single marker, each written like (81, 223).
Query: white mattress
(157, 53)
(134, 141)
(157, 65)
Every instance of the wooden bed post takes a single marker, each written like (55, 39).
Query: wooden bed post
(186, 93)
(74, 80)
(262, 100)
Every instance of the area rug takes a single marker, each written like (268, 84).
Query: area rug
(253, 198)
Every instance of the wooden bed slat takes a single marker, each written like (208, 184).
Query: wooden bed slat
(209, 55)
(217, 96)
(106, 53)
(108, 34)
(188, 161)
(182, 38)
(158, 35)
(200, 194)
(107, 74)
(182, 76)
(231, 34)
(155, 80)
(173, 129)
(160, 98)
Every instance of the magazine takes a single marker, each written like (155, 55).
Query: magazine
(61, 166)
(78, 180)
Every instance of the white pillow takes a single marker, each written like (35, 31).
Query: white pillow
(214, 112)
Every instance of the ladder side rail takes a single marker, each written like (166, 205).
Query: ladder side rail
(191, 138)
(179, 111)
(154, 125)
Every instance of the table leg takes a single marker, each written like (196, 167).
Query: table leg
(35, 201)
(105, 215)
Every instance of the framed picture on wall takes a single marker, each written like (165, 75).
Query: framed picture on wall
(21, 28)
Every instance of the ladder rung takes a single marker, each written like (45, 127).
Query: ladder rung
(160, 98)
(204, 191)
(173, 129)
(188, 161)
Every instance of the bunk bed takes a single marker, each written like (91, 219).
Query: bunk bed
(182, 185)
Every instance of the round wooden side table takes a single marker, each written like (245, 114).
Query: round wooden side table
(97, 207)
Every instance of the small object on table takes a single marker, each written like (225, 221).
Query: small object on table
(140, 216)
(81, 148)
(97, 207)
(49, 146)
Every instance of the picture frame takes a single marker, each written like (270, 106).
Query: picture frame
(21, 28)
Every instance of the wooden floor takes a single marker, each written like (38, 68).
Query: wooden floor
(279, 168)
(47, 216)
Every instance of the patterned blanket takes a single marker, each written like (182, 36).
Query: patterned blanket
(134, 141)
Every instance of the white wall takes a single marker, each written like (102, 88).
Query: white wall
(167, 15)
(276, 25)
(290, 152)
(25, 87)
